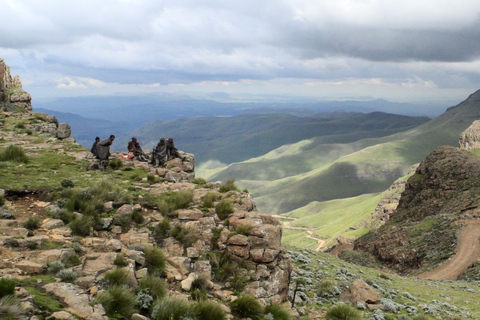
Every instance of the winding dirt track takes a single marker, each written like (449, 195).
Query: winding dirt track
(468, 251)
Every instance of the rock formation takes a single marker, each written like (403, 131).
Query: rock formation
(470, 138)
(11, 92)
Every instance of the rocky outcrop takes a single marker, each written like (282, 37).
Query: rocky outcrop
(422, 229)
(12, 95)
(470, 138)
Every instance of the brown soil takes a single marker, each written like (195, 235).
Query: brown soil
(468, 251)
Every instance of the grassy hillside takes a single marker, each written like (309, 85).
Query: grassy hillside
(293, 176)
(233, 139)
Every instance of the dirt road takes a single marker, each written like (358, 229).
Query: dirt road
(468, 251)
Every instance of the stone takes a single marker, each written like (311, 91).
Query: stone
(29, 267)
(238, 240)
(359, 292)
(51, 224)
(187, 283)
(63, 131)
(189, 214)
(192, 252)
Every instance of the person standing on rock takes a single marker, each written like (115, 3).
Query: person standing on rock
(159, 154)
(93, 150)
(103, 151)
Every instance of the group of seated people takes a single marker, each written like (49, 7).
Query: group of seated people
(162, 152)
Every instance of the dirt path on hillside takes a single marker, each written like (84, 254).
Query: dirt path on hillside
(286, 225)
(468, 251)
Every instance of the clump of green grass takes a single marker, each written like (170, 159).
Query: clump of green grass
(169, 202)
(229, 185)
(115, 164)
(14, 154)
(209, 199)
(118, 302)
(247, 306)
(216, 232)
(207, 310)
(186, 236)
(55, 267)
(116, 277)
(278, 311)
(173, 308)
(32, 223)
(155, 261)
(10, 308)
(7, 287)
(199, 181)
(161, 230)
(224, 207)
(67, 275)
(82, 227)
(343, 312)
(121, 260)
(327, 288)
(245, 230)
(155, 286)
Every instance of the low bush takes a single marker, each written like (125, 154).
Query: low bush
(82, 227)
(216, 232)
(209, 199)
(66, 275)
(208, 310)
(10, 308)
(155, 286)
(14, 154)
(115, 164)
(121, 260)
(185, 235)
(245, 230)
(137, 217)
(173, 308)
(167, 203)
(247, 306)
(67, 183)
(327, 288)
(155, 261)
(55, 267)
(161, 230)
(7, 287)
(118, 302)
(229, 185)
(73, 261)
(343, 312)
(116, 277)
(199, 181)
(224, 208)
(279, 312)
(32, 223)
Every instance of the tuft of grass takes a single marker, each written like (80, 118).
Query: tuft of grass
(155, 286)
(32, 223)
(7, 287)
(343, 312)
(121, 260)
(278, 311)
(116, 277)
(247, 306)
(207, 310)
(82, 227)
(229, 185)
(118, 302)
(169, 202)
(67, 275)
(173, 308)
(245, 230)
(115, 164)
(209, 199)
(224, 208)
(14, 154)
(55, 267)
(199, 181)
(155, 261)
(161, 230)
(185, 236)
(10, 308)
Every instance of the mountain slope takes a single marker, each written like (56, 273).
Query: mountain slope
(346, 170)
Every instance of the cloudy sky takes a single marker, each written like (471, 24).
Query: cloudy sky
(410, 50)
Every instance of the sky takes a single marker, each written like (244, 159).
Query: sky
(401, 51)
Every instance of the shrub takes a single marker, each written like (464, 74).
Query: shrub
(422, 317)
(343, 312)
(209, 199)
(81, 227)
(185, 236)
(169, 202)
(66, 216)
(155, 286)
(121, 260)
(245, 230)
(66, 275)
(67, 183)
(247, 306)
(14, 154)
(118, 302)
(199, 181)
(172, 308)
(115, 164)
(32, 223)
(116, 277)
(224, 208)
(161, 230)
(7, 287)
(2, 200)
(278, 312)
(10, 308)
(155, 260)
(207, 310)
(327, 288)
(55, 267)
(216, 232)
(10, 242)
(73, 260)
(151, 178)
(229, 185)
(137, 217)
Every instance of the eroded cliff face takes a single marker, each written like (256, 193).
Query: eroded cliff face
(421, 232)
(11, 93)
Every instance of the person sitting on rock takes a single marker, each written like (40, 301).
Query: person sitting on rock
(136, 150)
(93, 150)
(172, 152)
(159, 154)
(103, 150)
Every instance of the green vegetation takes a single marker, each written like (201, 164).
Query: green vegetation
(7, 287)
(116, 277)
(173, 308)
(155, 260)
(118, 302)
(343, 312)
(278, 311)
(208, 310)
(32, 223)
(223, 208)
(155, 286)
(167, 203)
(247, 306)
(14, 154)
(229, 185)
(10, 308)
(121, 260)
(209, 199)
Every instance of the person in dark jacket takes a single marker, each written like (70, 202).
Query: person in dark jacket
(103, 148)
(93, 150)
(134, 147)
(160, 153)
(172, 151)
